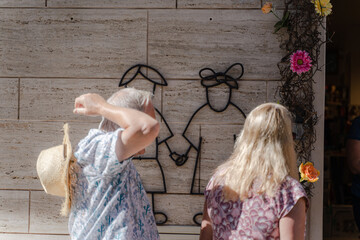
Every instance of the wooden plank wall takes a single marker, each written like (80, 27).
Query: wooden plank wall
(51, 51)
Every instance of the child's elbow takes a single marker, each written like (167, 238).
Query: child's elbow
(152, 129)
(156, 129)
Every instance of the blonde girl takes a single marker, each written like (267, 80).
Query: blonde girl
(256, 194)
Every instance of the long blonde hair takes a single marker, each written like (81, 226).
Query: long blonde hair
(264, 151)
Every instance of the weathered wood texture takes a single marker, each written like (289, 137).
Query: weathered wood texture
(9, 98)
(181, 42)
(179, 229)
(49, 56)
(45, 214)
(178, 237)
(71, 43)
(14, 209)
(276, 3)
(272, 91)
(22, 3)
(217, 145)
(33, 237)
(53, 99)
(165, 236)
(218, 3)
(113, 3)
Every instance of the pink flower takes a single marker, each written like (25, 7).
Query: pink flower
(300, 62)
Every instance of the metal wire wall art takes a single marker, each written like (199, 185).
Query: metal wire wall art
(131, 74)
(209, 79)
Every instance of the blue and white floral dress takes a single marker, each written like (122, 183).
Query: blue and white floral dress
(108, 199)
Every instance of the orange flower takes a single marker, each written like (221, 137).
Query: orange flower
(267, 7)
(308, 172)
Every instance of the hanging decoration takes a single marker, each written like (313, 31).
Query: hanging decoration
(300, 62)
(303, 21)
(308, 172)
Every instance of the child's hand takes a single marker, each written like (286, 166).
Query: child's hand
(89, 104)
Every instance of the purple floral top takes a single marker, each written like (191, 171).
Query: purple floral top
(255, 218)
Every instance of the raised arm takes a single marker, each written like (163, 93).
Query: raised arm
(141, 128)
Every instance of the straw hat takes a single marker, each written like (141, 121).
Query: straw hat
(53, 170)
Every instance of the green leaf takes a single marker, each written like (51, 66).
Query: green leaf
(277, 29)
(279, 23)
(286, 16)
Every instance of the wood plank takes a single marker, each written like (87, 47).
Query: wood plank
(193, 95)
(179, 229)
(249, 95)
(113, 4)
(14, 208)
(218, 4)
(21, 144)
(90, 43)
(180, 209)
(67, 237)
(53, 99)
(8, 98)
(178, 237)
(33, 237)
(218, 144)
(184, 41)
(45, 214)
(272, 93)
(277, 4)
(22, 3)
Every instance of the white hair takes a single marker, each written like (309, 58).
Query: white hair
(128, 98)
(264, 152)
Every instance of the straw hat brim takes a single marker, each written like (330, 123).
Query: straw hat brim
(53, 170)
(68, 157)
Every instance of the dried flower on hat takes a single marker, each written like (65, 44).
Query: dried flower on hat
(300, 62)
(308, 172)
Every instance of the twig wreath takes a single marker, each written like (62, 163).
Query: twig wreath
(302, 19)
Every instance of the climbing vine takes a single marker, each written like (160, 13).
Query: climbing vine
(304, 22)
